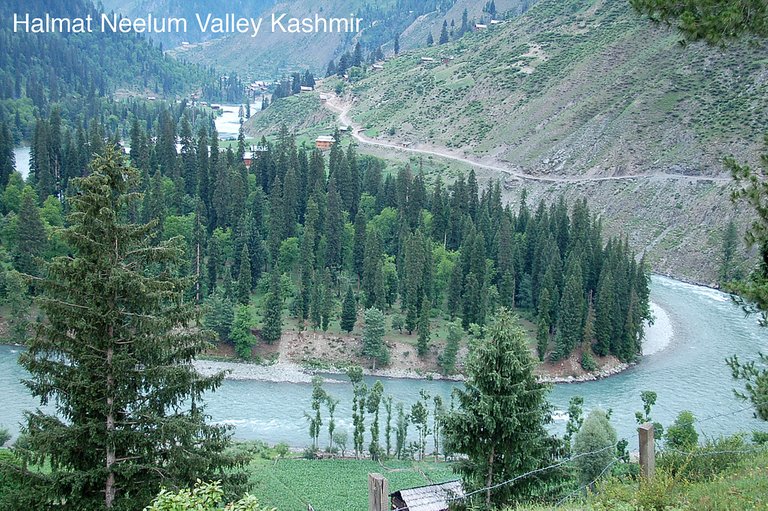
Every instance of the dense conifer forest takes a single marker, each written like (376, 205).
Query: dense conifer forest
(317, 237)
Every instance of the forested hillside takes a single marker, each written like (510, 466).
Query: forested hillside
(82, 72)
(297, 232)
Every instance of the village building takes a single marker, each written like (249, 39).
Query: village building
(324, 142)
(305, 88)
(435, 497)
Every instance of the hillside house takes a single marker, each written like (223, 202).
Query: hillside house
(324, 142)
(377, 67)
(427, 60)
(435, 497)
(305, 88)
(480, 26)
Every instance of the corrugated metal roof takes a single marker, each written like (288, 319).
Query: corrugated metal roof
(431, 498)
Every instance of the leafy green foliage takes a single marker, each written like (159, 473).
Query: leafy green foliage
(595, 444)
(648, 397)
(714, 21)
(241, 334)
(682, 434)
(202, 497)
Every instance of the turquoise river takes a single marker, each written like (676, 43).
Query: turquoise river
(696, 329)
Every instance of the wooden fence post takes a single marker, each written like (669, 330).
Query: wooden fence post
(647, 451)
(378, 493)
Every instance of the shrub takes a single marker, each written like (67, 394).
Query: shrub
(682, 435)
(203, 497)
(588, 362)
(706, 461)
(598, 437)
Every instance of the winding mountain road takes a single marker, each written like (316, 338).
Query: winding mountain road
(335, 104)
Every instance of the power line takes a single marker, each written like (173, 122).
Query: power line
(609, 465)
(514, 479)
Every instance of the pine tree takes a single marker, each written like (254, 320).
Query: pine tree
(444, 33)
(430, 39)
(273, 310)
(219, 315)
(373, 337)
(348, 311)
(500, 383)
(373, 275)
(455, 289)
(604, 312)
(730, 242)
(7, 157)
(244, 277)
(241, 334)
(544, 323)
(334, 228)
(571, 320)
(422, 343)
(114, 356)
(31, 239)
(397, 44)
(213, 263)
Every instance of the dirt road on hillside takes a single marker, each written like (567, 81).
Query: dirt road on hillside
(342, 108)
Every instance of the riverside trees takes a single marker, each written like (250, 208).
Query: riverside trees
(309, 227)
(113, 356)
(501, 416)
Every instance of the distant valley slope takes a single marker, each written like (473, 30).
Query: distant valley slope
(271, 55)
(583, 89)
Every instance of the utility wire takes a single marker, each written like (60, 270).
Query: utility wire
(510, 481)
(609, 465)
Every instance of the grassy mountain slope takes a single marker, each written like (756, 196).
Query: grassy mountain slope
(576, 87)
(588, 88)
(580, 89)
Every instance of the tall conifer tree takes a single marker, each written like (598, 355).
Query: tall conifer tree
(114, 356)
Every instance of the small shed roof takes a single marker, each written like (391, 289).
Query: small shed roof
(435, 497)
(325, 138)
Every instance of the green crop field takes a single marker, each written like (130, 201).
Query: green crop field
(335, 484)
